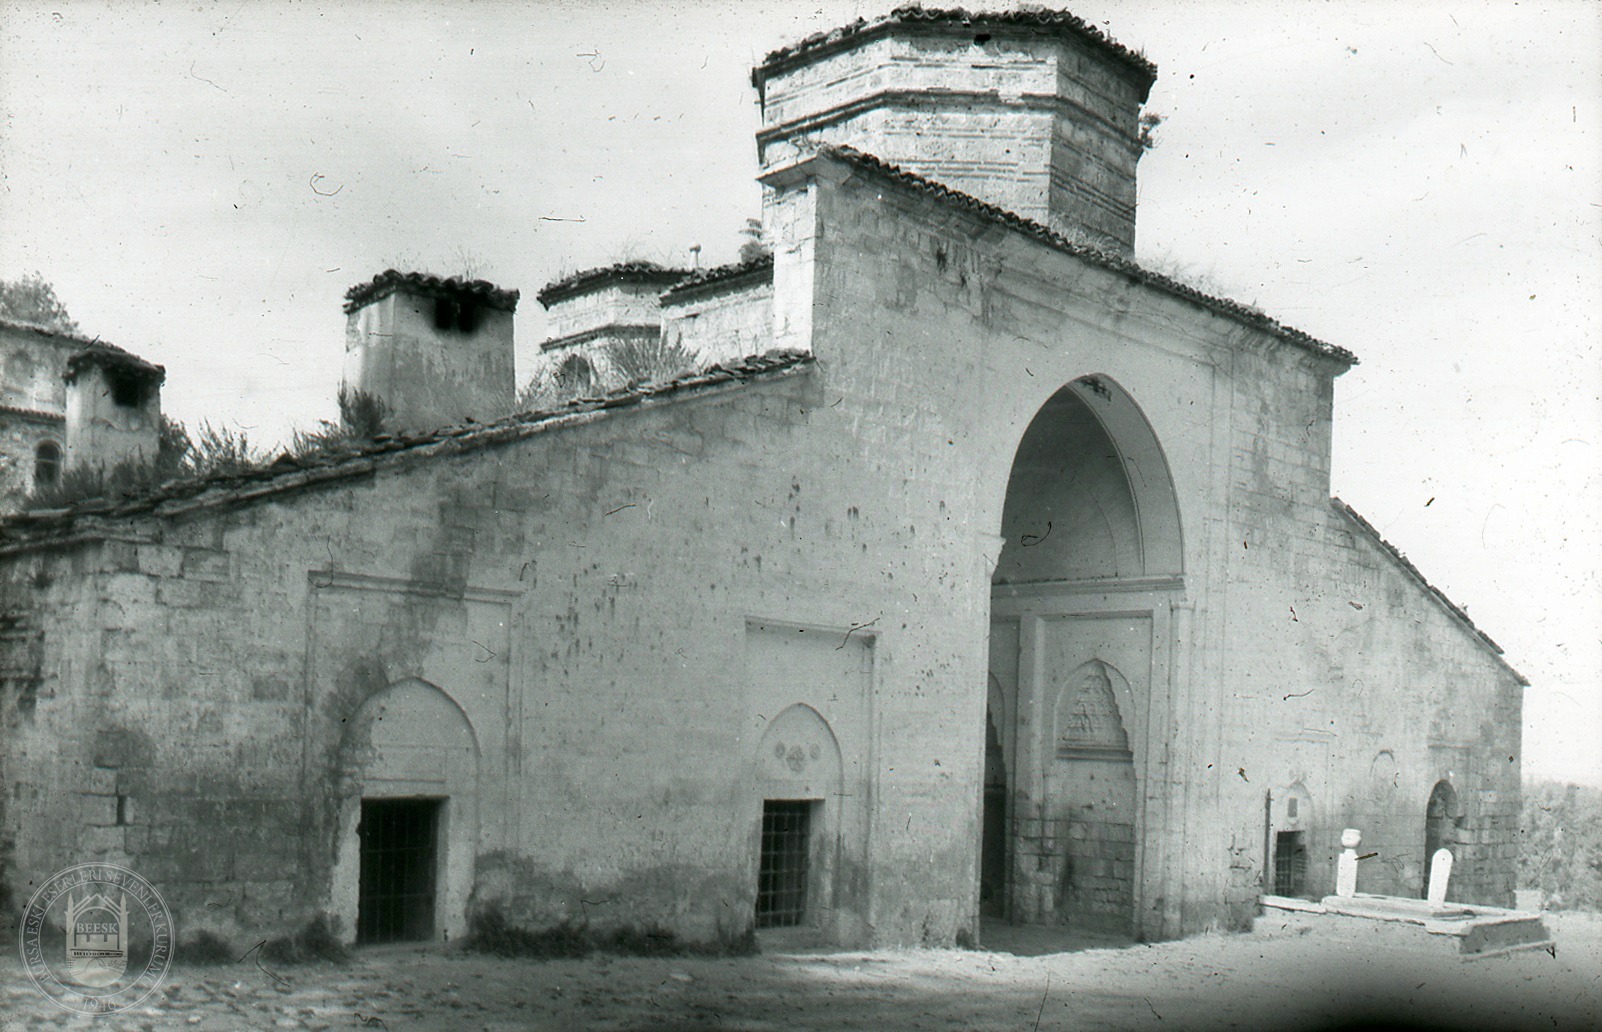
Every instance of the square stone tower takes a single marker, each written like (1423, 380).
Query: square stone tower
(437, 352)
(113, 407)
(1037, 112)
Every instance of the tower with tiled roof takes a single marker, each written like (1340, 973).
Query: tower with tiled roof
(436, 352)
(1037, 112)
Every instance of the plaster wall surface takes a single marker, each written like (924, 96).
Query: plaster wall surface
(33, 405)
(613, 304)
(719, 325)
(32, 362)
(429, 376)
(111, 419)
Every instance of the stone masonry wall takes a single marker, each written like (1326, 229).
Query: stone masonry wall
(586, 597)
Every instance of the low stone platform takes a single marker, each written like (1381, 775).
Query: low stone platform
(1468, 930)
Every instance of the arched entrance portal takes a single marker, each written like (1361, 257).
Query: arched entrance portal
(1090, 560)
(1440, 828)
(408, 816)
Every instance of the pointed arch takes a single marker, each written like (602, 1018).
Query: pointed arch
(1089, 493)
(798, 756)
(1089, 712)
(411, 741)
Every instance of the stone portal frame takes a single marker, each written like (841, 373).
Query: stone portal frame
(1144, 671)
(411, 740)
(798, 759)
(1291, 811)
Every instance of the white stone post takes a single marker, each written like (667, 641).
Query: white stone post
(1346, 866)
(1440, 871)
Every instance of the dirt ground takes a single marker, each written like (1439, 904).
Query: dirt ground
(1024, 980)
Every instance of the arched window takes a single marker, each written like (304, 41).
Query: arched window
(576, 374)
(46, 464)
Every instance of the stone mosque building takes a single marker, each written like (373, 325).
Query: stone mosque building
(983, 573)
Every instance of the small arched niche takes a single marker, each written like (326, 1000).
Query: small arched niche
(799, 782)
(409, 765)
(1442, 818)
(1090, 715)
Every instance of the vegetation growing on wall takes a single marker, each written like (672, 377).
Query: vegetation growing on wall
(632, 362)
(179, 455)
(1562, 839)
(211, 451)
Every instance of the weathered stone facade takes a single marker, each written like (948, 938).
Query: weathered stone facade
(986, 477)
(67, 400)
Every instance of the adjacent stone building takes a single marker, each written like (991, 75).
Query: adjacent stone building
(66, 401)
(1005, 581)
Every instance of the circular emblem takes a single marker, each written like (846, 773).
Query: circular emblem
(96, 938)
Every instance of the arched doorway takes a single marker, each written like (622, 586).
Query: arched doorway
(1440, 828)
(1091, 554)
(799, 784)
(408, 816)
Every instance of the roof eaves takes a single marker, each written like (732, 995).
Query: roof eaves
(621, 272)
(44, 528)
(107, 356)
(1064, 22)
(722, 276)
(429, 285)
(1406, 564)
(1117, 263)
(35, 414)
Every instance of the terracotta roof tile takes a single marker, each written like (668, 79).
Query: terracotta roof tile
(1242, 313)
(723, 274)
(290, 473)
(1061, 22)
(34, 414)
(428, 285)
(108, 356)
(621, 272)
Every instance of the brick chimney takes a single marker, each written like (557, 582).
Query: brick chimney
(113, 407)
(437, 352)
(1037, 112)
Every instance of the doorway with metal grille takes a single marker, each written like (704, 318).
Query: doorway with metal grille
(399, 855)
(782, 871)
(1290, 863)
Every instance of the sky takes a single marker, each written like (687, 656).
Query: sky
(1418, 182)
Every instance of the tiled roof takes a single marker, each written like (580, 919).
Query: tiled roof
(91, 351)
(88, 519)
(1060, 22)
(428, 285)
(1234, 309)
(107, 356)
(39, 415)
(1414, 572)
(621, 272)
(85, 343)
(720, 275)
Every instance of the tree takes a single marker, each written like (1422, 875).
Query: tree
(1562, 844)
(755, 246)
(32, 300)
